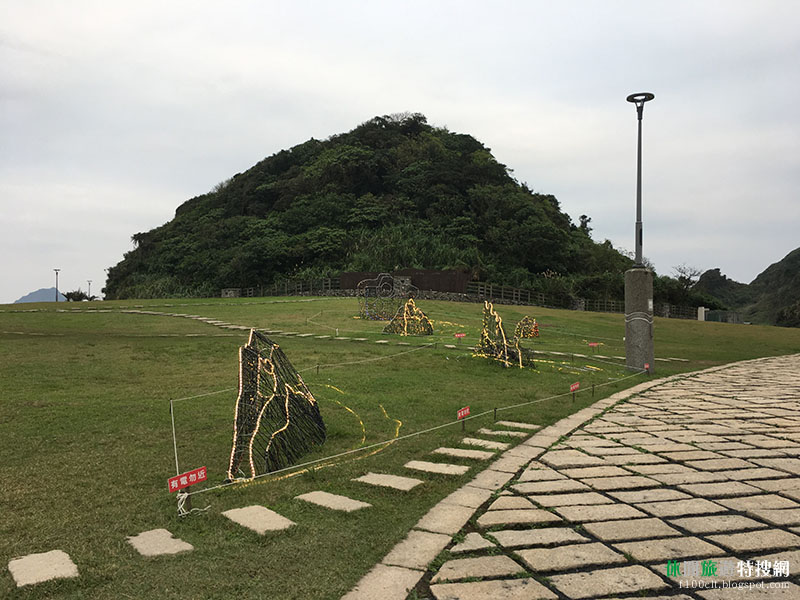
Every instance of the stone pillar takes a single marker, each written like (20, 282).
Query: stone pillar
(701, 313)
(639, 348)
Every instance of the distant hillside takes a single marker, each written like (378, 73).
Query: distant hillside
(394, 192)
(42, 295)
(773, 297)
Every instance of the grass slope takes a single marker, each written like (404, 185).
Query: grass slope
(86, 445)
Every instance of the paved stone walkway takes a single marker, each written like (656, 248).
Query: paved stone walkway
(684, 488)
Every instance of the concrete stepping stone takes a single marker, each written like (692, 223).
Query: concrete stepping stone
(484, 566)
(505, 432)
(382, 342)
(304, 335)
(468, 441)
(417, 550)
(385, 583)
(472, 542)
(333, 501)
(507, 589)
(359, 339)
(440, 468)
(321, 337)
(157, 542)
(540, 536)
(572, 556)
(518, 425)
(450, 346)
(258, 518)
(391, 481)
(465, 453)
(606, 582)
(37, 568)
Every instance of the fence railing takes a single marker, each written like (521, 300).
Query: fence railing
(478, 291)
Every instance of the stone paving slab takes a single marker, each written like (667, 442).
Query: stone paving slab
(678, 508)
(258, 518)
(540, 536)
(509, 463)
(472, 542)
(588, 472)
(157, 542)
(440, 468)
(758, 502)
(722, 489)
(41, 567)
(484, 566)
(556, 486)
(491, 479)
(505, 589)
(465, 453)
(445, 518)
(391, 481)
(621, 580)
(717, 524)
(511, 503)
(468, 496)
(516, 517)
(385, 583)
(570, 458)
(772, 539)
(782, 517)
(538, 472)
(417, 550)
(571, 556)
(669, 548)
(599, 512)
(649, 495)
(551, 500)
(629, 530)
(630, 482)
(333, 501)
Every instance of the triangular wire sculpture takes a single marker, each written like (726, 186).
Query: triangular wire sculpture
(409, 320)
(277, 419)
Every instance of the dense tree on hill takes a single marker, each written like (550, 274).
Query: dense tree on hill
(394, 192)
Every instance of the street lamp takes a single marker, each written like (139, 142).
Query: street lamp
(56, 270)
(639, 351)
(639, 100)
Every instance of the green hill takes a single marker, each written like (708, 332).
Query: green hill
(773, 297)
(394, 192)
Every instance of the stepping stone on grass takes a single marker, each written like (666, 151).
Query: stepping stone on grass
(441, 468)
(258, 518)
(391, 481)
(465, 453)
(158, 541)
(518, 425)
(485, 431)
(485, 444)
(333, 501)
(36, 568)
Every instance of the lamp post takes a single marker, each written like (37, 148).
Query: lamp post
(639, 100)
(89, 281)
(639, 351)
(56, 270)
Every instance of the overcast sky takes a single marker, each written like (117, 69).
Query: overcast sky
(114, 113)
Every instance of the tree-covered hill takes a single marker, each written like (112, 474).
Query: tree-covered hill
(773, 297)
(394, 192)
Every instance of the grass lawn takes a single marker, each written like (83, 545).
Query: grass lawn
(86, 442)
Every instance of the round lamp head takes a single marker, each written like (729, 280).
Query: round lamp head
(641, 97)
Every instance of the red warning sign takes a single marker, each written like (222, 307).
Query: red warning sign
(186, 479)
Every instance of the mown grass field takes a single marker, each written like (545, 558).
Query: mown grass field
(86, 441)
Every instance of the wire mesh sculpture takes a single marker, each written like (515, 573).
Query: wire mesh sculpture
(494, 344)
(277, 419)
(526, 328)
(409, 320)
(379, 299)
